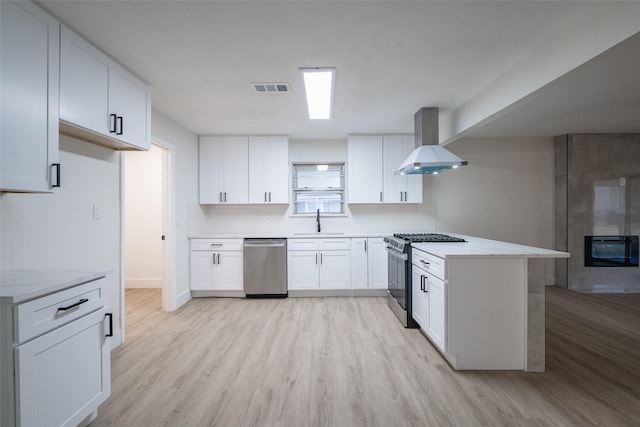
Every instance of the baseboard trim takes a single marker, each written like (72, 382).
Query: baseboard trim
(231, 294)
(311, 293)
(142, 283)
(182, 299)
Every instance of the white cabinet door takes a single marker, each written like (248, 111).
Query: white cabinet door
(359, 264)
(364, 169)
(378, 263)
(419, 298)
(437, 311)
(302, 269)
(29, 78)
(62, 376)
(130, 102)
(84, 84)
(268, 169)
(100, 100)
(399, 188)
(223, 170)
(202, 270)
(235, 170)
(335, 269)
(229, 271)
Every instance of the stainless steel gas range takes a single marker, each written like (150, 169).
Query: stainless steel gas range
(399, 281)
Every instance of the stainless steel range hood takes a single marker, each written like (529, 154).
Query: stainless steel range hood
(429, 157)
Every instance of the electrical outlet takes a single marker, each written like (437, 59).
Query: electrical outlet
(97, 212)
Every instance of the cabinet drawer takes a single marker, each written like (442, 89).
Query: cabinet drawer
(302, 244)
(431, 263)
(334, 244)
(216, 244)
(41, 315)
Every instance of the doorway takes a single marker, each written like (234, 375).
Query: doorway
(148, 248)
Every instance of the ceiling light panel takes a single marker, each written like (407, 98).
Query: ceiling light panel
(319, 84)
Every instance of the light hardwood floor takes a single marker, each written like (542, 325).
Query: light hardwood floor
(348, 362)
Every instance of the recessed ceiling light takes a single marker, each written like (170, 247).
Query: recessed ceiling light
(319, 86)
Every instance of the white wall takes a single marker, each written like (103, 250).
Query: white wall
(186, 192)
(505, 193)
(58, 230)
(143, 218)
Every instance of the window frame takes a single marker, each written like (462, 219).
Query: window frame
(322, 191)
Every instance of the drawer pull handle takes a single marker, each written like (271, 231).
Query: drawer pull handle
(424, 262)
(69, 307)
(110, 334)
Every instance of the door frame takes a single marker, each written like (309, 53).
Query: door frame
(168, 220)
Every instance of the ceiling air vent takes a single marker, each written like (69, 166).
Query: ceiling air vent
(271, 87)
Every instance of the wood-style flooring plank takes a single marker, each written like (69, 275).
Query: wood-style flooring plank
(348, 362)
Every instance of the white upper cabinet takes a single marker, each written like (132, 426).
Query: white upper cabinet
(364, 169)
(100, 100)
(372, 159)
(224, 169)
(268, 169)
(29, 70)
(400, 188)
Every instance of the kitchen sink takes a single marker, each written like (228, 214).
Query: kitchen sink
(322, 233)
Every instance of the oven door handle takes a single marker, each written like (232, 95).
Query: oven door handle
(397, 254)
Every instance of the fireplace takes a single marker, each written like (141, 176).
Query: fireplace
(611, 251)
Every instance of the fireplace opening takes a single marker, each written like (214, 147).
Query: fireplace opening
(611, 251)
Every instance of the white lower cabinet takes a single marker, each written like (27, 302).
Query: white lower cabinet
(216, 265)
(58, 369)
(428, 296)
(319, 264)
(368, 263)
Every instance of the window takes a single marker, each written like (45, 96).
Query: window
(318, 186)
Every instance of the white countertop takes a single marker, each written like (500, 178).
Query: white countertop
(477, 247)
(300, 235)
(21, 285)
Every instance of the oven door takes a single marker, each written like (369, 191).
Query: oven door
(397, 280)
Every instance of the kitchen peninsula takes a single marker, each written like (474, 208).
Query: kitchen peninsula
(482, 302)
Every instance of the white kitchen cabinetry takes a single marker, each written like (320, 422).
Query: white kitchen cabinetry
(217, 265)
(268, 169)
(371, 161)
(399, 188)
(428, 288)
(56, 356)
(319, 264)
(29, 77)
(99, 99)
(224, 170)
(368, 263)
(364, 169)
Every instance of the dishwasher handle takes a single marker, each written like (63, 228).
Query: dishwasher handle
(264, 243)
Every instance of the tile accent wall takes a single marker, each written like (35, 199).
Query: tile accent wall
(597, 192)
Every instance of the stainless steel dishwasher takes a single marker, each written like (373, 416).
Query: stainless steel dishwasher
(265, 268)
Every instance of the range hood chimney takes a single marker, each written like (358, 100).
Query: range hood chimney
(428, 157)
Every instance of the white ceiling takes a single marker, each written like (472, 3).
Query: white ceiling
(392, 57)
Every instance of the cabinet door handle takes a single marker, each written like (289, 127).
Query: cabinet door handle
(316, 259)
(225, 197)
(426, 282)
(422, 282)
(57, 166)
(214, 259)
(69, 307)
(112, 123)
(269, 196)
(220, 197)
(110, 333)
(405, 196)
(265, 197)
(365, 246)
(218, 259)
(121, 127)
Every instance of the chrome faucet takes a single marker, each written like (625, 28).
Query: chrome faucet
(318, 219)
